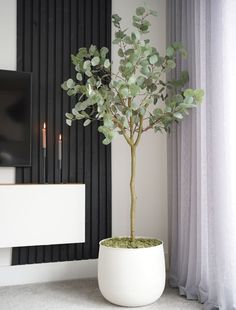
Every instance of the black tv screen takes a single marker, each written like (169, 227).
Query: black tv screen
(15, 118)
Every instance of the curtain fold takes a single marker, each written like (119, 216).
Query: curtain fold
(201, 156)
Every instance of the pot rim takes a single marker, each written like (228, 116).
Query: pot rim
(131, 249)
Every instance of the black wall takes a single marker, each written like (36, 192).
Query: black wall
(48, 32)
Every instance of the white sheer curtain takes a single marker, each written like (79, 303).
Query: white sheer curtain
(202, 156)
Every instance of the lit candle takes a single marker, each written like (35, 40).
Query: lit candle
(44, 136)
(60, 150)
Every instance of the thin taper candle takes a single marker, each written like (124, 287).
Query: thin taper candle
(60, 151)
(60, 148)
(44, 136)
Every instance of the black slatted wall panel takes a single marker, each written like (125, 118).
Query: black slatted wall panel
(48, 32)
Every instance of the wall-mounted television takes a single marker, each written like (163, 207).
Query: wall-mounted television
(15, 118)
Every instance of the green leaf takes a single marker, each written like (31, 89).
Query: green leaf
(144, 27)
(79, 76)
(134, 90)
(170, 51)
(82, 105)
(74, 112)
(137, 34)
(145, 70)
(106, 141)
(71, 92)
(157, 112)
(70, 83)
(140, 11)
(68, 122)
(188, 100)
(144, 63)
(116, 41)
(69, 116)
(107, 121)
(181, 81)
(87, 122)
(87, 64)
(120, 52)
(130, 51)
(64, 86)
(127, 40)
(140, 80)
(107, 63)
(83, 52)
(92, 49)
(189, 92)
(198, 94)
(153, 13)
(142, 111)
(132, 80)
(103, 51)
(116, 19)
(153, 59)
(95, 61)
(134, 105)
(119, 34)
(178, 115)
(88, 72)
(79, 117)
(124, 91)
(171, 64)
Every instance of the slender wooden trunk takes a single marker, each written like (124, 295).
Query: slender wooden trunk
(133, 192)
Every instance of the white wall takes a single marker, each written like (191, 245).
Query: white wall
(152, 154)
(7, 61)
(151, 174)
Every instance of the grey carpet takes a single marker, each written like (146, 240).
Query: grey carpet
(77, 294)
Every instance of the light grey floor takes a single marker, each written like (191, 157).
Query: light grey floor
(74, 295)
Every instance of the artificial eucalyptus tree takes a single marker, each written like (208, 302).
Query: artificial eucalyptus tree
(137, 98)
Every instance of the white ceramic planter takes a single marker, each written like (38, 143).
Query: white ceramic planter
(131, 277)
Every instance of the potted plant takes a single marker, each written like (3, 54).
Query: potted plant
(131, 270)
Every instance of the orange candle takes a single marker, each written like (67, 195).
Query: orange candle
(44, 136)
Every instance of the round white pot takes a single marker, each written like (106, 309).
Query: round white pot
(131, 277)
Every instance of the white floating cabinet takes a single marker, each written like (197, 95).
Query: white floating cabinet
(41, 214)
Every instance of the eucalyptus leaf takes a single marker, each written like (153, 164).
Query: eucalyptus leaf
(153, 59)
(87, 64)
(145, 70)
(68, 122)
(107, 63)
(87, 122)
(95, 61)
(140, 11)
(120, 52)
(103, 51)
(178, 115)
(170, 51)
(70, 83)
(79, 76)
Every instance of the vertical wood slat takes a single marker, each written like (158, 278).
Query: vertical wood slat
(87, 144)
(107, 160)
(48, 32)
(80, 127)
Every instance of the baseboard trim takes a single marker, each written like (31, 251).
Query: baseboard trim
(48, 272)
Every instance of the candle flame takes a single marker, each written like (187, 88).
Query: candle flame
(44, 125)
(60, 137)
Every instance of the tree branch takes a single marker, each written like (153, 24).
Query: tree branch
(140, 131)
(119, 124)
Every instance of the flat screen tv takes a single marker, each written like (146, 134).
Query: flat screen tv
(15, 118)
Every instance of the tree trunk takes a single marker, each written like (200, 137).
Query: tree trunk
(132, 192)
